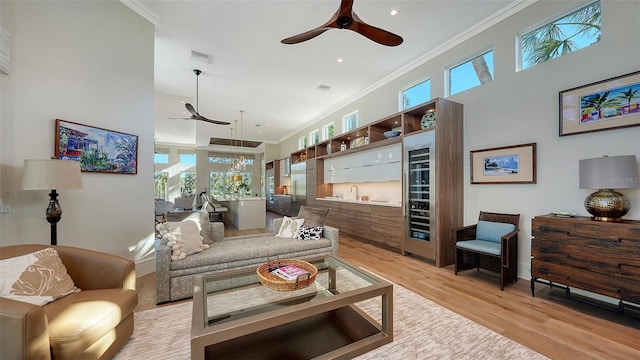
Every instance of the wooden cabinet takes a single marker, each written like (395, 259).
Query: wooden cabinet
(377, 224)
(282, 205)
(358, 219)
(600, 257)
(312, 184)
(334, 217)
(386, 226)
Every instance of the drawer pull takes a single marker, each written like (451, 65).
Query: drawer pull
(543, 270)
(543, 250)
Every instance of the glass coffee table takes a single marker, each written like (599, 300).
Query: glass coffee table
(235, 317)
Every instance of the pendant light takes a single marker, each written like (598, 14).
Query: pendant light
(234, 167)
(242, 164)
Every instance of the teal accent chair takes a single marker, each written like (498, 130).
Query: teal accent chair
(491, 244)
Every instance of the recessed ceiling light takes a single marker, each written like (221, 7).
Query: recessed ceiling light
(339, 60)
(393, 12)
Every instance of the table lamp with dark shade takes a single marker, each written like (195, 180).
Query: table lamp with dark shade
(51, 175)
(606, 174)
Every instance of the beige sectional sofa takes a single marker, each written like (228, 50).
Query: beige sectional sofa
(175, 279)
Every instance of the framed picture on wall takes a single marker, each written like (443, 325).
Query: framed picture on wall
(514, 164)
(608, 104)
(97, 149)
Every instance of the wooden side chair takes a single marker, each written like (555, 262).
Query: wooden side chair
(491, 244)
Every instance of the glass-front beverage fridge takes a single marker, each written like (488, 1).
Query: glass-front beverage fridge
(419, 171)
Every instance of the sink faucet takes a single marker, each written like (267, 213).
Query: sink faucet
(351, 190)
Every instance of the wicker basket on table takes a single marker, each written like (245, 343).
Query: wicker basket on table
(275, 282)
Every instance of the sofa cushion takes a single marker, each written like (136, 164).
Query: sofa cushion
(489, 247)
(290, 227)
(310, 233)
(313, 217)
(492, 231)
(246, 248)
(37, 278)
(94, 314)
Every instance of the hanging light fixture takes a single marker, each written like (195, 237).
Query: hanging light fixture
(235, 165)
(242, 164)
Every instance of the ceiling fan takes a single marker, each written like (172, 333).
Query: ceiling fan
(345, 18)
(194, 112)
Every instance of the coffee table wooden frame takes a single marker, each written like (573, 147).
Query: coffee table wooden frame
(245, 329)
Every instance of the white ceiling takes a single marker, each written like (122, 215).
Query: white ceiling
(275, 84)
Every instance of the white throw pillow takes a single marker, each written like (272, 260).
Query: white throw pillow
(290, 227)
(37, 278)
(182, 237)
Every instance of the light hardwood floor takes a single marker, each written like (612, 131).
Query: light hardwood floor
(548, 323)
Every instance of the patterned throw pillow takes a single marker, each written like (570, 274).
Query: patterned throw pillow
(290, 227)
(37, 278)
(310, 233)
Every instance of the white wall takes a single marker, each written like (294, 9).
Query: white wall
(86, 62)
(522, 107)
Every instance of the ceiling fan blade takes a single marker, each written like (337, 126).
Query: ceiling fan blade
(378, 35)
(191, 109)
(217, 122)
(345, 18)
(305, 36)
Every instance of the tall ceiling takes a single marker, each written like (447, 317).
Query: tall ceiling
(277, 85)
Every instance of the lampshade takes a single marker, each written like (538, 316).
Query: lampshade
(51, 174)
(609, 172)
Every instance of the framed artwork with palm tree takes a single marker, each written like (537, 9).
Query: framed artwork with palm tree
(608, 104)
(97, 149)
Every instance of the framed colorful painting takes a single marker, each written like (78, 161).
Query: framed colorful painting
(97, 150)
(608, 104)
(515, 164)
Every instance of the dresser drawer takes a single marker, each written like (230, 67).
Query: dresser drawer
(605, 284)
(605, 259)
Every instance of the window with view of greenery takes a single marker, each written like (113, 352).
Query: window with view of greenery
(475, 72)
(416, 94)
(188, 182)
(575, 31)
(327, 131)
(302, 142)
(160, 185)
(221, 186)
(350, 121)
(314, 137)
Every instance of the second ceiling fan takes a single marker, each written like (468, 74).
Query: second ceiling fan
(194, 111)
(346, 18)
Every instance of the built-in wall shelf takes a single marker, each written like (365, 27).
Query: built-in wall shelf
(370, 136)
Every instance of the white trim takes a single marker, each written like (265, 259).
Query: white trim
(146, 266)
(142, 10)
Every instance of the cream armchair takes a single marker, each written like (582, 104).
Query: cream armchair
(91, 324)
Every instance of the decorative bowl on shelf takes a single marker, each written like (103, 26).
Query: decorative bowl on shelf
(391, 133)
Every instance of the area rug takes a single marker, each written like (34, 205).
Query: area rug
(422, 330)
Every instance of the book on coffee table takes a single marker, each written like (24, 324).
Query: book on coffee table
(289, 272)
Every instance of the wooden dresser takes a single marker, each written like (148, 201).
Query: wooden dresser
(578, 252)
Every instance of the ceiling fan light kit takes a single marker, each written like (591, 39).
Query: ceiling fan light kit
(195, 115)
(345, 18)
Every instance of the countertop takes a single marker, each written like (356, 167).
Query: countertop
(368, 202)
(248, 198)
